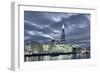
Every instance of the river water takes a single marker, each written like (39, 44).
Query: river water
(60, 57)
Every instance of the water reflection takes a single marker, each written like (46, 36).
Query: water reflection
(60, 57)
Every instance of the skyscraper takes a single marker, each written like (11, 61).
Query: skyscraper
(63, 34)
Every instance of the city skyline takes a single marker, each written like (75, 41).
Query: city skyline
(46, 26)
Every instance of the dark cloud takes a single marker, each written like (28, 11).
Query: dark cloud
(45, 26)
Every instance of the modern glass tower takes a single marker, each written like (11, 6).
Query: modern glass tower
(63, 34)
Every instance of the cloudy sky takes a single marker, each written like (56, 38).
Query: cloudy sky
(45, 26)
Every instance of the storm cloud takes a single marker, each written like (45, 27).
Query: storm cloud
(45, 26)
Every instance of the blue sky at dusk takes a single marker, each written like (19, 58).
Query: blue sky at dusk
(46, 26)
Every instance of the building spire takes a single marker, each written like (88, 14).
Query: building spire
(63, 34)
(63, 26)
